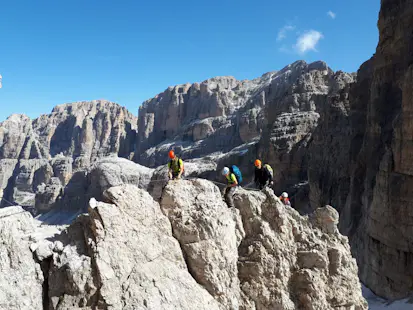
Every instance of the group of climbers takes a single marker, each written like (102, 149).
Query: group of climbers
(263, 177)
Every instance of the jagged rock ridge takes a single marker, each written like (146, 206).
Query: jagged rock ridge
(189, 252)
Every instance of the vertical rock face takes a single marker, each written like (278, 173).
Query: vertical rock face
(329, 152)
(377, 213)
(221, 120)
(381, 172)
(57, 145)
(271, 117)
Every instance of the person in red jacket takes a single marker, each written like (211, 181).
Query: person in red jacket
(284, 199)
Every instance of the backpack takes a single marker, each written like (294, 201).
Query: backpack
(179, 163)
(269, 169)
(235, 170)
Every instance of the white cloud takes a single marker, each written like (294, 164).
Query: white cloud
(308, 41)
(282, 33)
(331, 14)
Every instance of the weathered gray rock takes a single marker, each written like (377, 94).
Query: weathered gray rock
(47, 195)
(57, 202)
(13, 135)
(113, 171)
(325, 219)
(284, 261)
(192, 252)
(285, 118)
(21, 280)
(287, 263)
(204, 168)
(123, 256)
(207, 231)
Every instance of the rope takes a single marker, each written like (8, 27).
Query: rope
(220, 183)
(4, 216)
(11, 205)
(155, 181)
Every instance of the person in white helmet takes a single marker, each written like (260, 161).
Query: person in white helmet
(284, 199)
(231, 187)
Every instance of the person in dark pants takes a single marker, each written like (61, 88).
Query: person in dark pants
(231, 187)
(263, 175)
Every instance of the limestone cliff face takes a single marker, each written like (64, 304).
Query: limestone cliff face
(42, 155)
(271, 117)
(377, 212)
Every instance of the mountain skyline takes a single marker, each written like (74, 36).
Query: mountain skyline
(68, 52)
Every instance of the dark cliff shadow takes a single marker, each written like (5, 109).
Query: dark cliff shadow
(65, 135)
(72, 202)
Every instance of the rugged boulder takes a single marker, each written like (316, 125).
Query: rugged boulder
(284, 260)
(112, 171)
(201, 168)
(209, 234)
(60, 205)
(122, 256)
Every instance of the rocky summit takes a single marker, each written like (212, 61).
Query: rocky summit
(332, 138)
(190, 251)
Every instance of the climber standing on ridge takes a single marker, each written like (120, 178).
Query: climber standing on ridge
(234, 177)
(175, 166)
(263, 174)
(285, 200)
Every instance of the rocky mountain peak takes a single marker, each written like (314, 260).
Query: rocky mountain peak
(57, 145)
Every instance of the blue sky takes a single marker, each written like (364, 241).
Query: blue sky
(54, 52)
